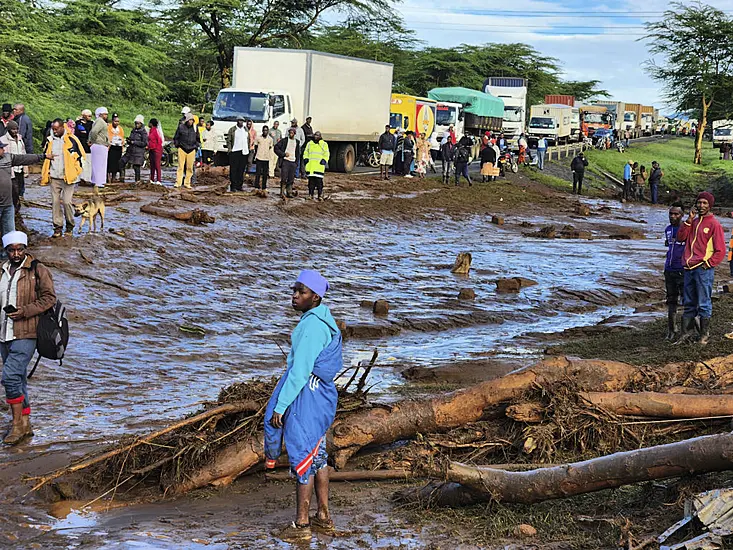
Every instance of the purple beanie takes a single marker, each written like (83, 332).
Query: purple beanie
(313, 280)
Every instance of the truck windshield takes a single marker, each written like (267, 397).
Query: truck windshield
(722, 132)
(395, 120)
(445, 116)
(512, 114)
(596, 118)
(231, 105)
(629, 117)
(541, 122)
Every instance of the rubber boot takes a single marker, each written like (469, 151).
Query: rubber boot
(289, 191)
(689, 330)
(704, 330)
(20, 429)
(671, 323)
(282, 190)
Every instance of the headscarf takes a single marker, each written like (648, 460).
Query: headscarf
(313, 280)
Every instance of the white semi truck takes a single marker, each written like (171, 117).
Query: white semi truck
(513, 91)
(348, 98)
(448, 113)
(552, 122)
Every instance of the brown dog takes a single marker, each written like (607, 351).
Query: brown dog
(89, 210)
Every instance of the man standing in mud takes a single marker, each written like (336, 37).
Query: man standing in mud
(303, 405)
(26, 291)
(674, 270)
(704, 249)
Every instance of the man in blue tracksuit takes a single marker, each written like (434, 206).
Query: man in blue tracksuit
(303, 405)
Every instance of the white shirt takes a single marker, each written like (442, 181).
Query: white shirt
(542, 143)
(8, 295)
(57, 163)
(240, 140)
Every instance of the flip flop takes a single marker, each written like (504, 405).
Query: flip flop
(325, 526)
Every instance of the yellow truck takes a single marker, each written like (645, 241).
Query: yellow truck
(413, 113)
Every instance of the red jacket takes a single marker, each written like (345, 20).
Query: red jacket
(154, 141)
(704, 240)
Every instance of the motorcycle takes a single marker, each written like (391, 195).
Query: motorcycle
(170, 155)
(508, 161)
(369, 156)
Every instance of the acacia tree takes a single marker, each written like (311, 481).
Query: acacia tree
(696, 44)
(278, 23)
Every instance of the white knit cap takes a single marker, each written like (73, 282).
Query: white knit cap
(140, 119)
(185, 110)
(15, 237)
(86, 112)
(101, 111)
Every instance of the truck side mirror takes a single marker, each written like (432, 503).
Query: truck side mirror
(557, 125)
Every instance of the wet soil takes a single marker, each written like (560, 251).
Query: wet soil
(164, 314)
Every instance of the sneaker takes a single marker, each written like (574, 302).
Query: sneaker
(409, 176)
(294, 533)
(56, 234)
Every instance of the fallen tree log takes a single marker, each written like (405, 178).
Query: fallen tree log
(662, 405)
(712, 453)
(403, 420)
(194, 217)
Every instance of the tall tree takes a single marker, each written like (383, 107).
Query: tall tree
(696, 46)
(276, 23)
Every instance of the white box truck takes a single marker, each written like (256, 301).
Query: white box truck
(513, 91)
(348, 98)
(551, 122)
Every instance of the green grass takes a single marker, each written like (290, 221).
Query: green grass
(674, 156)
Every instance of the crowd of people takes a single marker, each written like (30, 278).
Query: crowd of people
(637, 176)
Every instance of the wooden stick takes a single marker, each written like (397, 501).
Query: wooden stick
(228, 408)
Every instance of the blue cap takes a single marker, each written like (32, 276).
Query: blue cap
(314, 280)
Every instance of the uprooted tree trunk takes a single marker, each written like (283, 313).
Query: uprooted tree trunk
(712, 453)
(194, 217)
(662, 405)
(404, 420)
(469, 485)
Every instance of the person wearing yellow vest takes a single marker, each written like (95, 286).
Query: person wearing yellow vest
(316, 156)
(61, 169)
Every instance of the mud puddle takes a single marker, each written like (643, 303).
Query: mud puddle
(176, 312)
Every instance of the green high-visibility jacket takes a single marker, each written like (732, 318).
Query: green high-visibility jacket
(314, 153)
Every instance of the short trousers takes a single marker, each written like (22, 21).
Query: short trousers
(387, 158)
(320, 461)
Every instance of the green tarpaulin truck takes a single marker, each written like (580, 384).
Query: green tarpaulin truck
(481, 111)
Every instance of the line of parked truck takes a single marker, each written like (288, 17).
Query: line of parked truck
(350, 100)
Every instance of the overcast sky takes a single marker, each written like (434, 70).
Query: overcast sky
(599, 42)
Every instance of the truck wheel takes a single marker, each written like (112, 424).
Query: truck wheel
(345, 158)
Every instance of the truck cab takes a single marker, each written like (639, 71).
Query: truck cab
(262, 108)
(629, 121)
(447, 114)
(722, 132)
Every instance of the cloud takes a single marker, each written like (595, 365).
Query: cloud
(590, 42)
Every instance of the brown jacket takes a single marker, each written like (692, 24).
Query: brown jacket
(33, 303)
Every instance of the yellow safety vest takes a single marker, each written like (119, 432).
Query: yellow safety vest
(315, 153)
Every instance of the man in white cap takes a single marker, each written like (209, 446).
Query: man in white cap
(26, 291)
(303, 405)
(99, 147)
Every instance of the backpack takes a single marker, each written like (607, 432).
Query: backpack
(52, 335)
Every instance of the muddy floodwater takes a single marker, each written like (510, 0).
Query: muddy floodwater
(172, 313)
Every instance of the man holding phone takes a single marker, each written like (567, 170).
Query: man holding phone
(704, 240)
(26, 291)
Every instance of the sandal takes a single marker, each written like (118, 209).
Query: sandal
(325, 526)
(294, 533)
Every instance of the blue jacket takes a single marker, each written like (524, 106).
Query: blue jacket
(675, 250)
(306, 393)
(627, 171)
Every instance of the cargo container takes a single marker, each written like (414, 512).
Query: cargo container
(348, 98)
(481, 111)
(513, 92)
(557, 99)
(551, 122)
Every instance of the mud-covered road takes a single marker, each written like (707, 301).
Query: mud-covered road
(164, 314)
